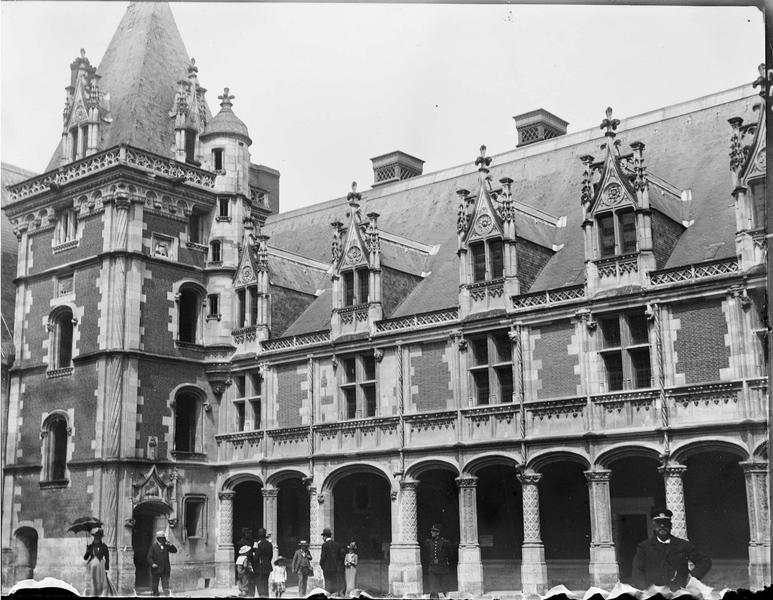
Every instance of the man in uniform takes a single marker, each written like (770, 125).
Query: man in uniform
(662, 559)
(437, 551)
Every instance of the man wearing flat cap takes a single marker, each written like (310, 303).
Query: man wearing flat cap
(662, 559)
(158, 559)
(437, 553)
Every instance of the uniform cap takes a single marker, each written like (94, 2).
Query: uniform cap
(435, 527)
(303, 543)
(662, 514)
(160, 533)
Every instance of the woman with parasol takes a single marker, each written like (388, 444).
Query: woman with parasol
(97, 565)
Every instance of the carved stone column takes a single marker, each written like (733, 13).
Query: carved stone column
(270, 497)
(534, 572)
(469, 569)
(315, 539)
(672, 475)
(224, 553)
(603, 560)
(756, 474)
(405, 575)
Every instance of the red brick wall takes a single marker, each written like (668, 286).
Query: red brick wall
(531, 260)
(700, 344)
(556, 374)
(289, 395)
(88, 296)
(90, 244)
(286, 306)
(431, 377)
(665, 235)
(157, 379)
(395, 287)
(57, 507)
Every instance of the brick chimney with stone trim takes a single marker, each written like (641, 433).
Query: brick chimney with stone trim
(538, 125)
(395, 166)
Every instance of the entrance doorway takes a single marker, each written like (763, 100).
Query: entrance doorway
(26, 549)
(149, 518)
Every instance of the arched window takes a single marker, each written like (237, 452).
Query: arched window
(55, 434)
(61, 328)
(187, 422)
(189, 315)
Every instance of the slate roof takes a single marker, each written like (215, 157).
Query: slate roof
(140, 70)
(226, 123)
(686, 149)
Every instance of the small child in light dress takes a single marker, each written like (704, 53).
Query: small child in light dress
(279, 576)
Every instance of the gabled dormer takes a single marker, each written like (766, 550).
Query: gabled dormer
(251, 284)
(747, 165)
(85, 108)
(356, 271)
(189, 112)
(617, 218)
(488, 267)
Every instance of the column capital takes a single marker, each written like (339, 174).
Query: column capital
(672, 470)
(270, 492)
(530, 478)
(754, 466)
(226, 495)
(408, 484)
(469, 481)
(598, 475)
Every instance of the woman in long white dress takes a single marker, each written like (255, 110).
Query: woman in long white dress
(350, 564)
(98, 563)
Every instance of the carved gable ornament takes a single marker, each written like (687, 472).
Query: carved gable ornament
(755, 167)
(613, 192)
(254, 256)
(152, 487)
(614, 188)
(353, 255)
(352, 251)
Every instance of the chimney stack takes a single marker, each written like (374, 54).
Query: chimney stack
(395, 166)
(538, 125)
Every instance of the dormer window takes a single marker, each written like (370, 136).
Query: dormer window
(78, 139)
(190, 145)
(355, 284)
(217, 159)
(487, 260)
(617, 233)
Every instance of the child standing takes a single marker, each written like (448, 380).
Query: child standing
(279, 576)
(244, 572)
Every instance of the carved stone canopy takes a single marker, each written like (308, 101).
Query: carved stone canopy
(152, 487)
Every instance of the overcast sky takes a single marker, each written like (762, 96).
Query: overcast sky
(324, 88)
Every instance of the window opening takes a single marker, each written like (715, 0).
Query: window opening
(56, 448)
(216, 251)
(195, 233)
(625, 351)
(223, 206)
(491, 368)
(186, 422)
(190, 303)
(217, 155)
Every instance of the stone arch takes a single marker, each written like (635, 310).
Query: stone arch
(278, 477)
(488, 460)
(761, 451)
(344, 471)
(235, 479)
(693, 447)
(547, 457)
(626, 450)
(25, 546)
(421, 466)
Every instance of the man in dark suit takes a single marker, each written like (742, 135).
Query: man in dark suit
(662, 559)
(158, 559)
(437, 554)
(330, 562)
(260, 558)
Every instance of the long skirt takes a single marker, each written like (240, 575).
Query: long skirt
(97, 581)
(351, 575)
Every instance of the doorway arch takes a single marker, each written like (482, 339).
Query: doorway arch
(149, 517)
(25, 546)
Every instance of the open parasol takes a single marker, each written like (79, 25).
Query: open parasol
(84, 524)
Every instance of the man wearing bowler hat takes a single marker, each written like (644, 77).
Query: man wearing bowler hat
(437, 553)
(330, 561)
(662, 559)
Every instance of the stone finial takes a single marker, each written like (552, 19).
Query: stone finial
(354, 197)
(226, 99)
(483, 161)
(763, 80)
(609, 123)
(192, 68)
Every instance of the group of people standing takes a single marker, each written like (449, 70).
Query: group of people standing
(254, 567)
(338, 564)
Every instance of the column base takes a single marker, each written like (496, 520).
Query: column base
(224, 566)
(534, 569)
(469, 571)
(759, 566)
(603, 567)
(405, 575)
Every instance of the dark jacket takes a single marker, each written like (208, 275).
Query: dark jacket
(159, 556)
(437, 554)
(330, 556)
(98, 551)
(657, 563)
(260, 557)
(302, 561)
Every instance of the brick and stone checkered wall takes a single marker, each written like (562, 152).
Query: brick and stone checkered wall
(395, 287)
(53, 508)
(531, 260)
(290, 394)
(665, 234)
(556, 360)
(328, 388)
(430, 377)
(286, 305)
(700, 344)
(165, 226)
